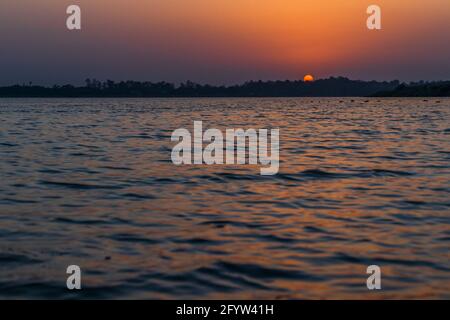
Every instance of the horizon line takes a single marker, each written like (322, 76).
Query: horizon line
(180, 83)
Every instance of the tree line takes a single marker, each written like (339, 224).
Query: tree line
(331, 87)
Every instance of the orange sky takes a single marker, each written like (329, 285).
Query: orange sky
(223, 41)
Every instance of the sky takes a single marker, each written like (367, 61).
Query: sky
(222, 41)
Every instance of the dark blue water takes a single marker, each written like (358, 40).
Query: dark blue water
(90, 182)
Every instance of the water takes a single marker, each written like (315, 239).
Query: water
(90, 182)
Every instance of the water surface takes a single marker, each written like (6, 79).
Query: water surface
(90, 182)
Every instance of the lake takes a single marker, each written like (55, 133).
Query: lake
(90, 182)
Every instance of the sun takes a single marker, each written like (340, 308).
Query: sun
(308, 78)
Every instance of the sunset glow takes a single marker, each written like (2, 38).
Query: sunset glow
(195, 153)
(224, 41)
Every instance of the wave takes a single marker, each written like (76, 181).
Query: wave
(81, 186)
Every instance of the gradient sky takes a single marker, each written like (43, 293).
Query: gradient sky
(222, 41)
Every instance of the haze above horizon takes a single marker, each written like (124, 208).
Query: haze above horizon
(222, 42)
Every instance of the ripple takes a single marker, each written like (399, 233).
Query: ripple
(11, 259)
(125, 237)
(260, 272)
(138, 196)
(81, 186)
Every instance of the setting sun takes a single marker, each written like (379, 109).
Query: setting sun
(308, 78)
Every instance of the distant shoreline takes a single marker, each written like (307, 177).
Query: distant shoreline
(331, 87)
(223, 97)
